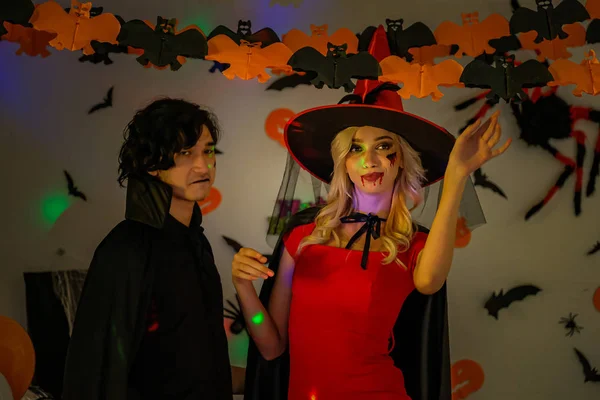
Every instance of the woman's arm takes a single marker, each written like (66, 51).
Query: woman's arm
(268, 328)
(434, 261)
(473, 148)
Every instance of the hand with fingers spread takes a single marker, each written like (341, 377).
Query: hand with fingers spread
(475, 146)
(248, 265)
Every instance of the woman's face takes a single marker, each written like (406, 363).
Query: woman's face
(374, 160)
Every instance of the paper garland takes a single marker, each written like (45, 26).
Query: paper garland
(331, 60)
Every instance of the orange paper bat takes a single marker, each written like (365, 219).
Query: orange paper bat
(75, 30)
(32, 41)
(296, 39)
(593, 8)
(473, 36)
(420, 80)
(585, 75)
(427, 54)
(248, 60)
(556, 48)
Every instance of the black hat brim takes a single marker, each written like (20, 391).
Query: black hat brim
(309, 134)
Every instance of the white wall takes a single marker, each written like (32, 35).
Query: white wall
(44, 129)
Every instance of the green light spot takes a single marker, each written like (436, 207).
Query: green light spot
(258, 318)
(53, 206)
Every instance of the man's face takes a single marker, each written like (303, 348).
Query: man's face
(194, 172)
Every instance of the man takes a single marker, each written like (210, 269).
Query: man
(149, 323)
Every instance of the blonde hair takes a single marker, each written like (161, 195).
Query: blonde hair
(398, 230)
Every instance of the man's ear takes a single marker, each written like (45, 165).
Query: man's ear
(153, 173)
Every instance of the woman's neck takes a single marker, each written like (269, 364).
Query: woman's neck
(374, 203)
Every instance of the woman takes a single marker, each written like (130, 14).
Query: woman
(351, 269)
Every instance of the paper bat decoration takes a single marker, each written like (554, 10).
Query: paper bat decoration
(556, 48)
(32, 42)
(236, 314)
(292, 81)
(548, 20)
(592, 34)
(420, 80)
(102, 50)
(217, 66)
(593, 8)
(236, 246)
(265, 36)
(482, 180)
(337, 68)
(400, 40)
(502, 45)
(17, 12)
(589, 374)
(505, 80)
(500, 301)
(286, 3)
(94, 11)
(163, 45)
(107, 102)
(247, 60)
(594, 249)
(426, 55)
(472, 36)
(296, 39)
(75, 30)
(586, 76)
(73, 190)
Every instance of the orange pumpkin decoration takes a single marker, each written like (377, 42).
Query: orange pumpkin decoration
(596, 299)
(467, 378)
(463, 233)
(275, 123)
(211, 202)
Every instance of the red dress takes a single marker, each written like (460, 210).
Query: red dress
(341, 321)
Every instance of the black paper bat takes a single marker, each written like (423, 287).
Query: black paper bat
(590, 374)
(504, 79)
(16, 12)
(217, 151)
(400, 40)
(103, 49)
(236, 314)
(594, 249)
(265, 36)
(161, 45)
(292, 81)
(482, 180)
(235, 245)
(592, 34)
(107, 102)
(547, 20)
(73, 190)
(337, 68)
(217, 66)
(499, 301)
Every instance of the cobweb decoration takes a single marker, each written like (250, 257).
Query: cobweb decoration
(67, 287)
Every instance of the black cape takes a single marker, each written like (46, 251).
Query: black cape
(421, 348)
(111, 313)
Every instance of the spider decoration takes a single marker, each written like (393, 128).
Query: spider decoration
(570, 324)
(546, 116)
(234, 313)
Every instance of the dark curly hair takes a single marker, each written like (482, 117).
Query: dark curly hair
(159, 131)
